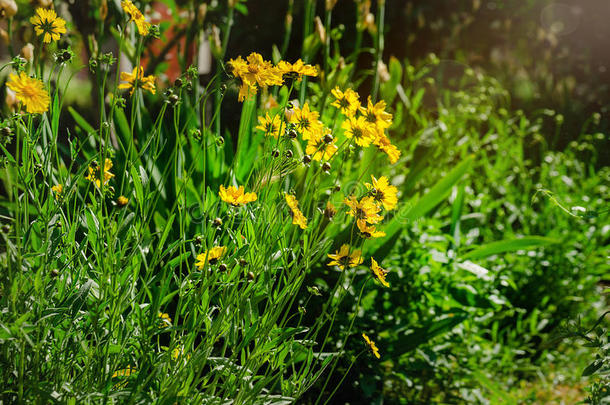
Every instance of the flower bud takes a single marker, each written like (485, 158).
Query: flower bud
(27, 52)
(217, 222)
(306, 159)
(8, 8)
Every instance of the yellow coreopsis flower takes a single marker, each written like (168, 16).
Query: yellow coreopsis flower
(362, 131)
(344, 258)
(346, 101)
(254, 72)
(379, 273)
(236, 196)
(368, 231)
(210, 256)
(136, 16)
(93, 174)
(297, 216)
(307, 122)
(371, 345)
(57, 189)
(298, 68)
(164, 320)
(382, 192)
(144, 82)
(375, 114)
(270, 125)
(48, 24)
(365, 210)
(319, 149)
(30, 92)
(385, 145)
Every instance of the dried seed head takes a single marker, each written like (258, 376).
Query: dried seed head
(292, 133)
(328, 138)
(289, 154)
(306, 159)
(54, 273)
(243, 262)
(217, 222)
(250, 276)
(275, 153)
(326, 167)
(222, 267)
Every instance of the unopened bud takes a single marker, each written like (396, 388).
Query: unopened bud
(27, 52)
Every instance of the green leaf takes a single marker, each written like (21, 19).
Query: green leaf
(510, 245)
(81, 122)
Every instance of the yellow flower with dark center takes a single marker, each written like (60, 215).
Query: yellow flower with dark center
(371, 345)
(236, 196)
(30, 92)
(164, 320)
(136, 16)
(318, 149)
(346, 101)
(57, 189)
(137, 74)
(297, 216)
(210, 256)
(344, 258)
(385, 145)
(298, 69)
(270, 125)
(362, 131)
(375, 114)
(48, 24)
(383, 192)
(307, 122)
(365, 210)
(254, 72)
(368, 231)
(379, 273)
(93, 174)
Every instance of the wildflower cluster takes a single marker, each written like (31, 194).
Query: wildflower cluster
(255, 73)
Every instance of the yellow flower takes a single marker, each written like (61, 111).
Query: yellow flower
(307, 122)
(385, 145)
(93, 173)
(57, 189)
(236, 196)
(30, 92)
(375, 114)
(165, 320)
(364, 210)
(371, 345)
(48, 24)
(318, 149)
(297, 216)
(343, 258)
(210, 256)
(368, 231)
(146, 83)
(136, 16)
(178, 352)
(297, 68)
(254, 72)
(270, 125)
(379, 273)
(126, 372)
(348, 101)
(122, 201)
(358, 128)
(383, 192)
